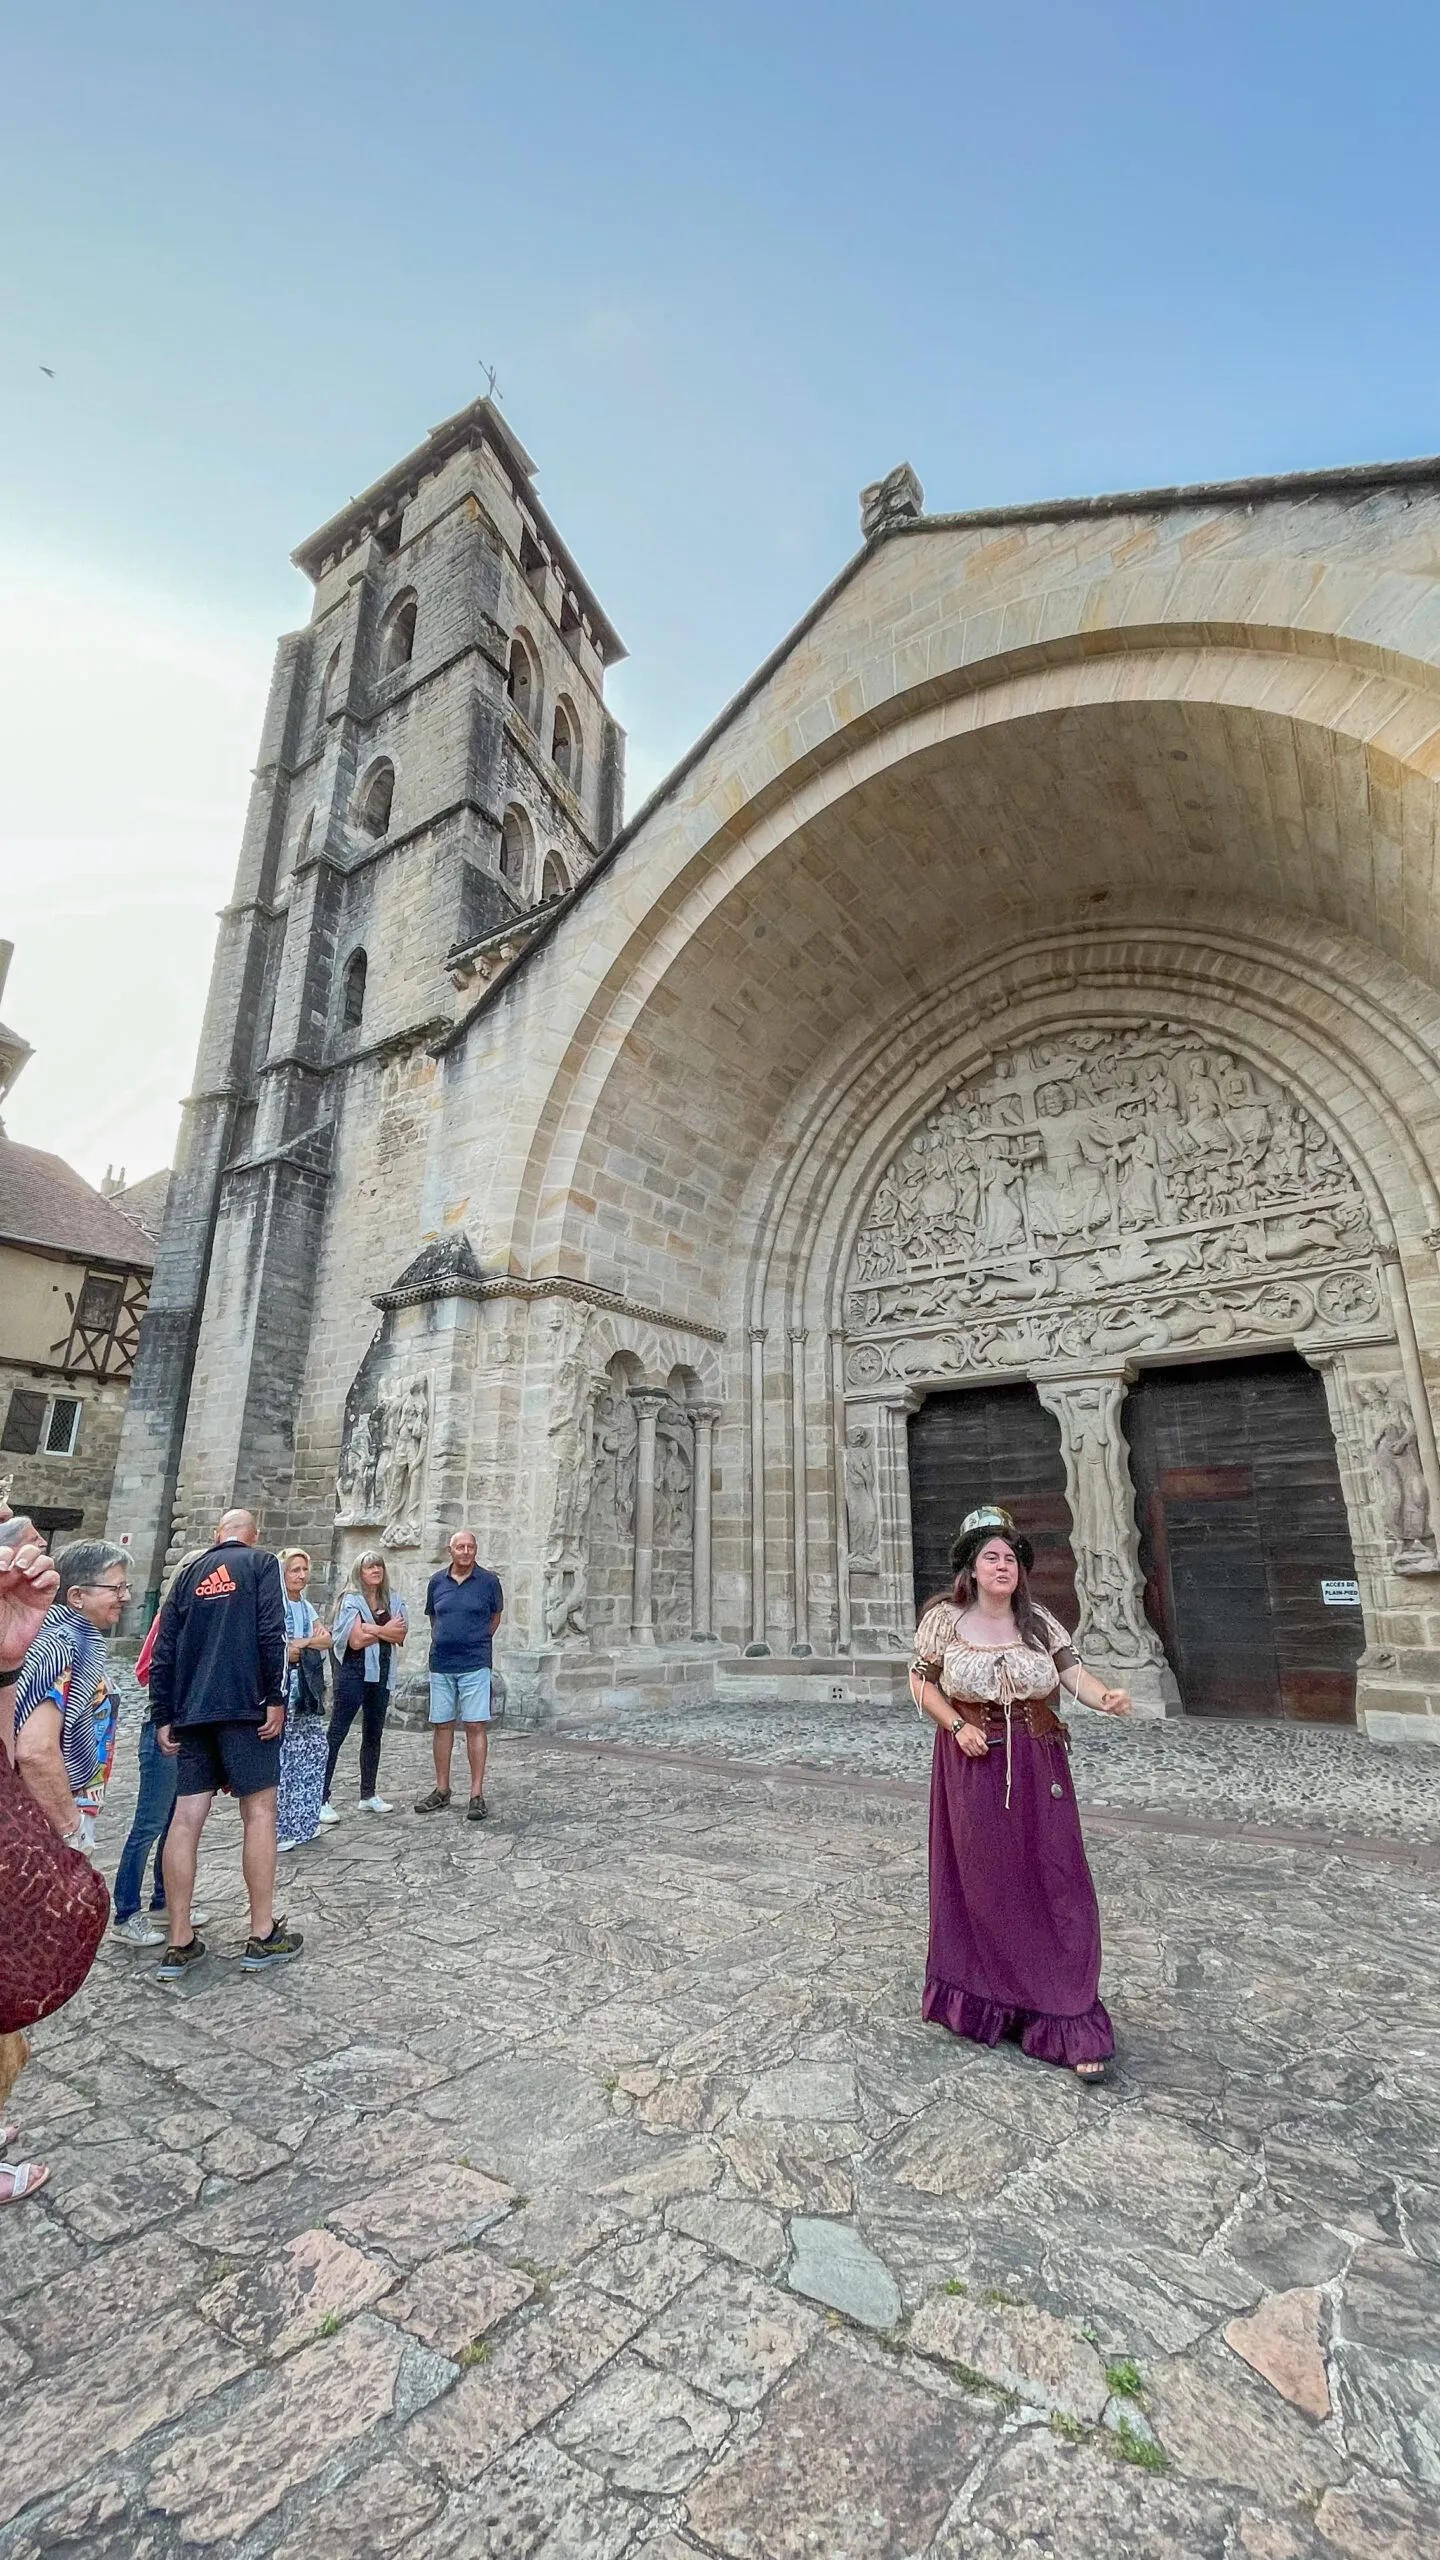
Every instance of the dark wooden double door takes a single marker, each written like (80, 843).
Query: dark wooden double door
(1242, 1524)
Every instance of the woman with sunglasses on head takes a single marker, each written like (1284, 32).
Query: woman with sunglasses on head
(1014, 1924)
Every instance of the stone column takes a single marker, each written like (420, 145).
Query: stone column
(704, 1417)
(1114, 1638)
(758, 1609)
(800, 1516)
(647, 1402)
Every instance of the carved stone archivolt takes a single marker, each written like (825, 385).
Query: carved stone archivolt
(1102, 1193)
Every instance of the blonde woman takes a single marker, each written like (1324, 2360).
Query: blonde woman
(303, 1755)
(370, 1625)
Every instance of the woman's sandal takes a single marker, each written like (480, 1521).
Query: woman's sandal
(24, 2176)
(1089, 2072)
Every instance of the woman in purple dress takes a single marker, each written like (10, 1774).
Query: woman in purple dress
(1014, 1926)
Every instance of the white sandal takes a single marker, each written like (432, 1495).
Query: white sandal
(24, 2176)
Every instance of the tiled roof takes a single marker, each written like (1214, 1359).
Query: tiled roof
(145, 1202)
(44, 1201)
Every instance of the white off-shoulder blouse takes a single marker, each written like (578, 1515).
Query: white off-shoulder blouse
(988, 1674)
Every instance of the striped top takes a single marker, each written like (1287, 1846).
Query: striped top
(65, 1668)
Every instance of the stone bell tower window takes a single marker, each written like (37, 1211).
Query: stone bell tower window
(353, 1009)
(523, 682)
(554, 883)
(565, 744)
(372, 804)
(397, 645)
(514, 848)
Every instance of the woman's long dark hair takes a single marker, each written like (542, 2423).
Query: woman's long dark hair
(966, 1592)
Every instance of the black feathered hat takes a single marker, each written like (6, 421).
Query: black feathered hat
(979, 1527)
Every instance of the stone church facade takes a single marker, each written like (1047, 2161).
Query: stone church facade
(1001, 1058)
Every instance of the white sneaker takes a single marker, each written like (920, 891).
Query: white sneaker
(376, 1804)
(137, 1931)
(328, 1813)
(156, 1919)
(282, 1845)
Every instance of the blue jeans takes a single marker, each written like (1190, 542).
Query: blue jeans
(151, 1820)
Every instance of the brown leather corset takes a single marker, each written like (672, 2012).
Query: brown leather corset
(1035, 1716)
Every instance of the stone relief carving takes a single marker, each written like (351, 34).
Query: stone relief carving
(382, 1465)
(1403, 1495)
(862, 1508)
(1106, 1192)
(897, 499)
(1103, 1537)
(571, 1434)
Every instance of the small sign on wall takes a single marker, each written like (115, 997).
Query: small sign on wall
(1340, 1595)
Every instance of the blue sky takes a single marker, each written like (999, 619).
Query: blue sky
(730, 264)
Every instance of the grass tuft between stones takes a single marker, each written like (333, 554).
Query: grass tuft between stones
(954, 2284)
(329, 2326)
(1071, 2430)
(478, 2352)
(1136, 2448)
(1122, 2376)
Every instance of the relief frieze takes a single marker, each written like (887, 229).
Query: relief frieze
(1107, 1191)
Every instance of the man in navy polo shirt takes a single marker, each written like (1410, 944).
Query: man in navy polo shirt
(463, 1606)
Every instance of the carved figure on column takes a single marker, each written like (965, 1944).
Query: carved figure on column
(407, 1461)
(1103, 1535)
(1403, 1494)
(571, 1434)
(862, 1508)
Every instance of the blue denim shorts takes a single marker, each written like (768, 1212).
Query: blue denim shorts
(465, 1694)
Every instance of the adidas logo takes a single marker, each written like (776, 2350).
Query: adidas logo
(216, 1586)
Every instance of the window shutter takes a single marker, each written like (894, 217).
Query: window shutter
(24, 1423)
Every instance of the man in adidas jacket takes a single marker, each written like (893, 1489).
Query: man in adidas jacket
(217, 1689)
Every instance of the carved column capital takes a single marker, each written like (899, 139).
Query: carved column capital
(648, 1399)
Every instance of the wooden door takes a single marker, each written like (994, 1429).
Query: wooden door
(990, 1444)
(1242, 1528)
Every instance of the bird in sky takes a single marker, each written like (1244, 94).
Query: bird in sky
(50, 369)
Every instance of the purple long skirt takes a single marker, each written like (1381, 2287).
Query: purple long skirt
(1014, 1924)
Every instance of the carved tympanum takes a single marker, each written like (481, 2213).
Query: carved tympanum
(1110, 1192)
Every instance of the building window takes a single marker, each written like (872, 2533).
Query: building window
(100, 1302)
(515, 848)
(565, 744)
(554, 883)
(353, 1013)
(523, 682)
(327, 688)
(397, 643)
(372, 801)
(47, 1425)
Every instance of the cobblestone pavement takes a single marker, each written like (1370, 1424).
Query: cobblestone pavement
(1303, 1777)
(590, 2186)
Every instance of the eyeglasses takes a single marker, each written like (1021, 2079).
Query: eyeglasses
(117, 1590)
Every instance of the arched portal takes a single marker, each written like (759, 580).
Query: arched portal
(1124, 815)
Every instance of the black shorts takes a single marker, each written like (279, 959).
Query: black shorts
(225, 1755)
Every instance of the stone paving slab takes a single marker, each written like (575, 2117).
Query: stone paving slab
(590, 2186)
(1303, 1776)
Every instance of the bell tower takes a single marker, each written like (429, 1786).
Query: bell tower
(437, 767)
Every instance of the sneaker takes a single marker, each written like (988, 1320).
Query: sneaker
(376, 1804)
(328, 1814)
(282, 1846)
(282, 1943)
(137, 1931)
(437, 1801)
(198, 1918)
(477, 1810)
(177, 1961)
